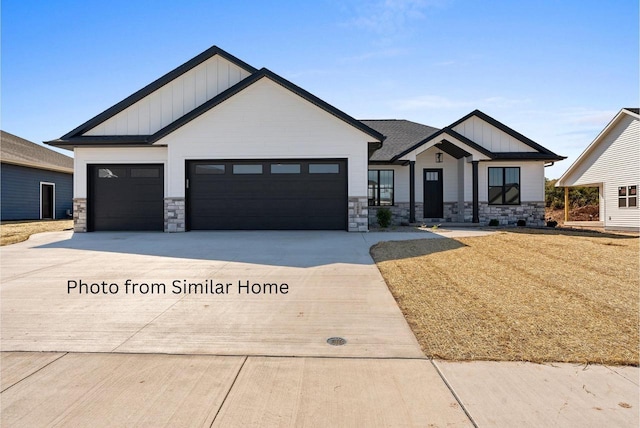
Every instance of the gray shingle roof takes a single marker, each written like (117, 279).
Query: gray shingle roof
(401, 135)
(16, 150)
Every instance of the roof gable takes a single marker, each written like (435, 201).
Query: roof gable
(594, 150)
(94, 132)
(136, 104)
(404, 137)
(18, 151)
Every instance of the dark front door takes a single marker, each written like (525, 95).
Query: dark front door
(433, 193)
(267, 194)
(47, 202)
(125, 197)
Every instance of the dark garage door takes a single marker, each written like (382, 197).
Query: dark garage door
(267, 194)
(125, 197)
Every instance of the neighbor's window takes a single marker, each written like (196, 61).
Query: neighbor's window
(627, 196)
(504, 186)
(380, 187)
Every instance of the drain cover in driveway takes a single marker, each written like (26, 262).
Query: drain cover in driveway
(336, 341)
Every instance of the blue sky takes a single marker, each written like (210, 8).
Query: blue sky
(555, 70)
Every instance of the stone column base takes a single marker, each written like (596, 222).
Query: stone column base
(358, 220)
(174, 215)
(80, 214)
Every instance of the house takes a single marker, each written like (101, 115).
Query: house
(219, 144)
(612, 164)
(36, 182)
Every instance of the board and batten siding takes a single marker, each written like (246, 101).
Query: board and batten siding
(490, 137)
(173, 100)
(20, 189)
(612, 163)
(263, 121)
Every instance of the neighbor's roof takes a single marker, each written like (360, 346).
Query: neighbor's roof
(633, 112)
(18, 151)
(401, 136)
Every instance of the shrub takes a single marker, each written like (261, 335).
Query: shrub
(494, 222)
(521, 222)
(384, 217)
(552, 223)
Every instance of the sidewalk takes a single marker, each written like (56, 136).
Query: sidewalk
(42, 389)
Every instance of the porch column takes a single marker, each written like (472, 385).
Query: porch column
(412, 191)
(566, 204)
(474, 178)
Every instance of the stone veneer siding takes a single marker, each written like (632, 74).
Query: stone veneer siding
(79, 214)
(531, 212)
(174, 215)
(358, 213)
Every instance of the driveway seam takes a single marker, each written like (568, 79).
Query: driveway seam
(149, 323)
(32, 373)
(444, 379)
(228, 392)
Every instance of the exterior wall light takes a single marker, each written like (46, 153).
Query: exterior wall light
(439, 157)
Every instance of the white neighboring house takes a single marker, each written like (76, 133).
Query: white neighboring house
(218, 144)
(612, 164)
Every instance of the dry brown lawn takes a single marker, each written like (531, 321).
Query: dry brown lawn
(530, 295)
(12, 232)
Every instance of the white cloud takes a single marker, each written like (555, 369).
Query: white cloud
(390, 18)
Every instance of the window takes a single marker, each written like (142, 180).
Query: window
(285, 168)
(380, 187)
(628, 197)
(247, 169)
(210, 169)
(145, 173)
(324, 168)
(110, 172)
(504, 186)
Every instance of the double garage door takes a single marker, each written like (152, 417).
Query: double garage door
(265, 194)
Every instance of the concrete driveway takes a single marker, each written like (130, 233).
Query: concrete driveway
(333, 290)
(254, 360)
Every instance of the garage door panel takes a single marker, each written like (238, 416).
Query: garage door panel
(126, 197)
(298, 200)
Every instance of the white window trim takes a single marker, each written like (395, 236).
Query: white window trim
(54, 198)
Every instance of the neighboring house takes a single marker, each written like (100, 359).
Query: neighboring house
(612, 164)
(218, 144)
(36, 182)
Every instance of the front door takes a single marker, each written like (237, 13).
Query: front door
(433, 193)
(46, 200)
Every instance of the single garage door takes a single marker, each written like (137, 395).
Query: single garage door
(125, 197)
(267, 194)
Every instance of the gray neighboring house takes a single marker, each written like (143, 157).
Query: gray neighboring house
(36, 182)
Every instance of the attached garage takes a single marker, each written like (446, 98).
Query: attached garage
(267, 194)
(125, 197)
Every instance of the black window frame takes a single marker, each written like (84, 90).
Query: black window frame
(503, 192)
(375, 201)
(625, 197)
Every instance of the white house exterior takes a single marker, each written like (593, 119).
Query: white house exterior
(218, 144)
(612, 164)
